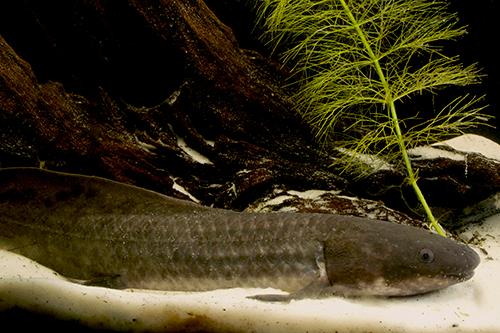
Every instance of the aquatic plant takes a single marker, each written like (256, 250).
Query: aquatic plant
(357, 63)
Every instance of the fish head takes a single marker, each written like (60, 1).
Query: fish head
(387, 259)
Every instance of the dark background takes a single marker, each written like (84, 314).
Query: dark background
(22, 30)
(478, 46)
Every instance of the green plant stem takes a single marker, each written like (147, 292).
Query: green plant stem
(389, 101)
(411, 176)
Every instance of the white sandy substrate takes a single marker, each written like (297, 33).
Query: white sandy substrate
(473, 306)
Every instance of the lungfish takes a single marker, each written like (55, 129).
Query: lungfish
(101, 231)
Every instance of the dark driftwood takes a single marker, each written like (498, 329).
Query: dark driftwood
(113, 76)
(108, 87)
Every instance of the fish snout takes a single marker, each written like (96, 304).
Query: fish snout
(470, 261)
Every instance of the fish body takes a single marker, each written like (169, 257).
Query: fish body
(94, 229)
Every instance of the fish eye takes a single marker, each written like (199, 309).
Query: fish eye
(426, 256)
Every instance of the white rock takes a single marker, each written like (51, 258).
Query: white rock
(474, 143)
(467, 143)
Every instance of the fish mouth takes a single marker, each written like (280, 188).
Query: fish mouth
(461, 277)
(424, 285)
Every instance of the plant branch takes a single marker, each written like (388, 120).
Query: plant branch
(392, 107)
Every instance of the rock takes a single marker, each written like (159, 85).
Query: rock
(329, 202)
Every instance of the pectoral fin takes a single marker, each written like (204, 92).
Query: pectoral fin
(313, 290)
(107, 281)
(282, 298)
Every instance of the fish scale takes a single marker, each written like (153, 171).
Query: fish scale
(209, 247)
(104, 232)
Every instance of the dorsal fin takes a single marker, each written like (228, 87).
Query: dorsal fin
(39, 186)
